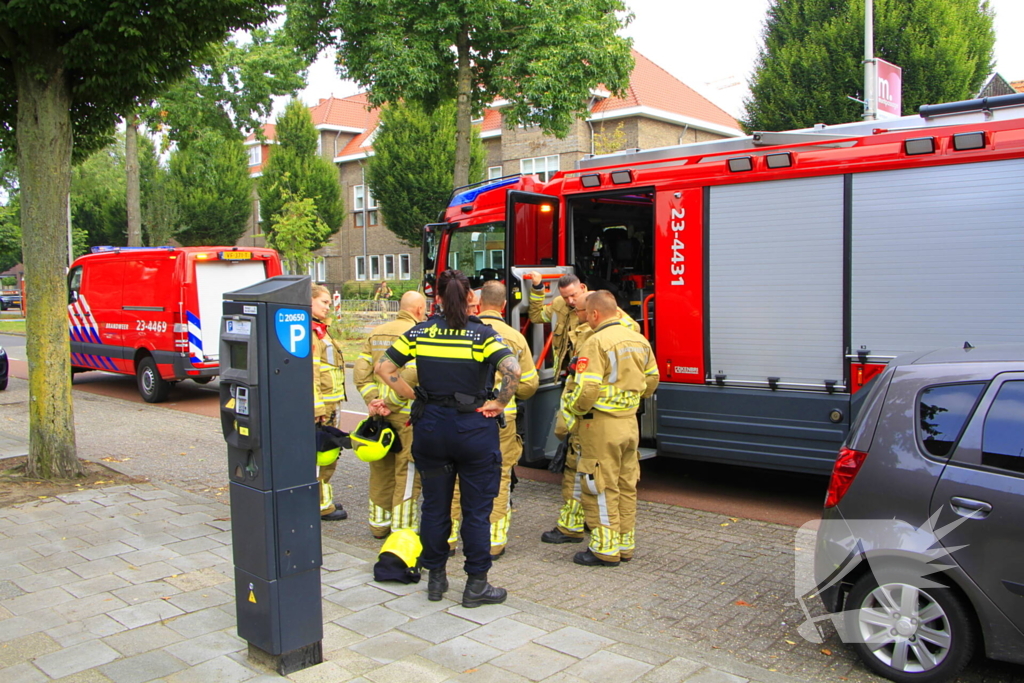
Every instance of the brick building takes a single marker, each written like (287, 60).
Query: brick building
(657, 110)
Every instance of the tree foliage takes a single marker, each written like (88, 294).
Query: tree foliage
(159, 212)
(211, 190)
(97, 197)
(543, 57)
(232, 90)
(297, 230)
(296, 170)
(810, 64)
(410, 173)
(10, 235)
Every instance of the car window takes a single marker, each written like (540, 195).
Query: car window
(942, 413)
(1002, 440)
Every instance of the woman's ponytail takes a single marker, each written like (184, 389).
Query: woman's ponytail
(454, 288)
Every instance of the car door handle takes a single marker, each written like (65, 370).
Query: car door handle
(968, 507)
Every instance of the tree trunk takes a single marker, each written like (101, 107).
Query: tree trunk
(463, 111)
(44, 169)
(131, 159)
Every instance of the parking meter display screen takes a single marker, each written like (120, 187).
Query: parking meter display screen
(239, 355)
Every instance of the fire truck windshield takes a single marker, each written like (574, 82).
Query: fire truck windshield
(478, 251)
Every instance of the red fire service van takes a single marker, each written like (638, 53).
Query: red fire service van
(155, 312)
(774, 274)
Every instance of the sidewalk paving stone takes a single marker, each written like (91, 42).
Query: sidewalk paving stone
(461, 653)
(149, 666)
(76, 658)
(533, 661)
(143, 639)
(390, 647)
(372, 621)
(505, 634)
(608, 667)
(134, 616)
(438, 627)
(201, 648)
(574, 641)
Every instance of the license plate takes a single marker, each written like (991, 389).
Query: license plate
(236, 255)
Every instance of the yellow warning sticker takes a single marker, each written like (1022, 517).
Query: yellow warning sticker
(230, 405)
(244, 431)
(252, 597)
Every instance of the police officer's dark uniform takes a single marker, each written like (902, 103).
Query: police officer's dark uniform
(456, 373)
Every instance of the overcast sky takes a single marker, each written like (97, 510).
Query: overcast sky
(711, 46)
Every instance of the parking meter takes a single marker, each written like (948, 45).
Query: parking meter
(266, 402)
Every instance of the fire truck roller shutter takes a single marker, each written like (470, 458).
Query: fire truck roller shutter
(213, 278)
(937, 257)
(775, 282)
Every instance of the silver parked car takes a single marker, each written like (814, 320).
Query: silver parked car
(920, 553)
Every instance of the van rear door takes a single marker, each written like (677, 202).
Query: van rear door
(212, 279)
(94, 315)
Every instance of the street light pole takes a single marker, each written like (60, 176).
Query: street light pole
(870, 64)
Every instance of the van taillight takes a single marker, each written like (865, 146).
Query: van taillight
(843, 472)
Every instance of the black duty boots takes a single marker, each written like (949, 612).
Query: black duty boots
(437, 584)
(479, 592)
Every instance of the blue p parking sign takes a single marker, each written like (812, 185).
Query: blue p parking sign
(292, 327)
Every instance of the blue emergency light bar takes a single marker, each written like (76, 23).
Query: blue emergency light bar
(108, 249)
(472, 193)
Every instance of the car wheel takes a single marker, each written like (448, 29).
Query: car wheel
(152, 386)
(3, 384)
(907, 633)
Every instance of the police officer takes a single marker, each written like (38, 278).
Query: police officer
(453, 434)
(569, 528)
(615, 370)
(492, 302)
(328, 392)
(394, 483)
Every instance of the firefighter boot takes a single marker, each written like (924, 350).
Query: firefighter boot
(479, 592)
(557, 536)
(437, 584)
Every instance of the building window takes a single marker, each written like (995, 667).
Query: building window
(259, 211)
(389, 267)
(360, 267)
(317, 270)
(404, 267)
(497, 258)
(543, 167)
(255, 155)
(359, 192)
(375, 268)
(493, 172)
(319, 145)
(360, 218)
(478, 259)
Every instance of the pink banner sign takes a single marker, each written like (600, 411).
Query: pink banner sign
(890, 89)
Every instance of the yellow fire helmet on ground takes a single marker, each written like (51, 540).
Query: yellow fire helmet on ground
(372, 439)
(399, 558)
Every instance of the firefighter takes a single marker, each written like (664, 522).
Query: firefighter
(394, 484)
(557, 313)
(569, 528)
(328, 392)
(566, 328)
(453, 433)
(615, 370)
(492, 301)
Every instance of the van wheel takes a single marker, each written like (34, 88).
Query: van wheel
(152, 386)
(908, 633)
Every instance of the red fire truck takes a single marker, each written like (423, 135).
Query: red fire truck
(774, 274)
(155, 312)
